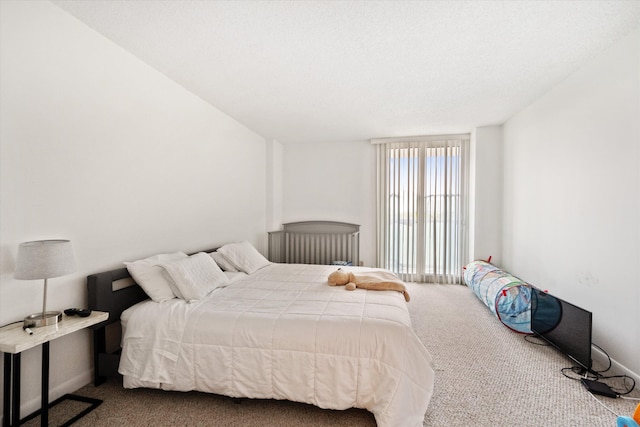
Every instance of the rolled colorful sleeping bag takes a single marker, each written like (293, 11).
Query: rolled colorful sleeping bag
(508, 297)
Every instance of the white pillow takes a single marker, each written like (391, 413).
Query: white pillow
(150, 277)
(194, 277)
(244, 257)
(157, 259)
(222, 262)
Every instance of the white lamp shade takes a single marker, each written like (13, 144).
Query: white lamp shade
(44, 259)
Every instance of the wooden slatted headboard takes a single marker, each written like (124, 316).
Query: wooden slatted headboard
(315, 242)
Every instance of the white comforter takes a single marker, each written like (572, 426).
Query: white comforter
(283, 333)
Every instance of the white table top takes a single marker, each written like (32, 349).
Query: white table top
(13, 339)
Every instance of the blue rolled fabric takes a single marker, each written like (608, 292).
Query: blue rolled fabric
(508, 297)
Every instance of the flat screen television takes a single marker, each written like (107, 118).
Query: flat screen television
(563, 325)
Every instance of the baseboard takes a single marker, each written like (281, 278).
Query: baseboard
(617, 368)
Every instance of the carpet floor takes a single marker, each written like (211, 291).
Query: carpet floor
(486, 375)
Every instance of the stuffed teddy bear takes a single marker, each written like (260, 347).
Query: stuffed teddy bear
(372, 280)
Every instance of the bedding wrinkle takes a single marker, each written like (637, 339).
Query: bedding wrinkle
(161, 341)
(194, 325)
(273, 347)
(315, 360)
(360, 344)
(234, 388)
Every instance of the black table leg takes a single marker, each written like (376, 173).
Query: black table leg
(44, 416)
(12, 389)
(6, 396)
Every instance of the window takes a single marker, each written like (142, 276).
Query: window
(422, 207)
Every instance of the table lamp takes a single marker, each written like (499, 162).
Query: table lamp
(44, 259)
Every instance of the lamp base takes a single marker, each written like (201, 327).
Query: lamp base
(38, 320)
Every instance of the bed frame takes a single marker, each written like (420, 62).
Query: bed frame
(306, 242)
(112, 291)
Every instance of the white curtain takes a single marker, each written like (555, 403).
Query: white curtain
(422, 207)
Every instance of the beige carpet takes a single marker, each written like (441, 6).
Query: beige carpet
(486, 375)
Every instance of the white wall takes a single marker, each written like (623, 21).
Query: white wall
(334, 182)
(274, 184)
(99, 148)
(572, 195)
(485, 216)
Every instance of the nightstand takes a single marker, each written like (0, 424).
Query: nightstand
(14, 340)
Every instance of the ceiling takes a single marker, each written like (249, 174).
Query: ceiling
(332, 71)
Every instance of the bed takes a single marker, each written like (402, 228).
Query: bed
(278, 332)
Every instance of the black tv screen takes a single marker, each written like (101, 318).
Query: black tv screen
(562, 324)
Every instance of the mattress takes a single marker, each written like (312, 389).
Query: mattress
(283, 333)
